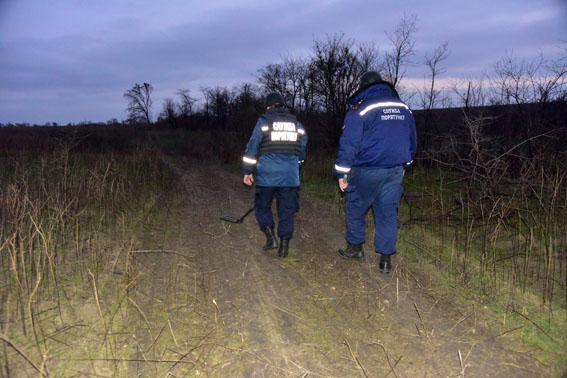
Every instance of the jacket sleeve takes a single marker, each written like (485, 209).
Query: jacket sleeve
(350, 142)
(303, 144)
(250, 158)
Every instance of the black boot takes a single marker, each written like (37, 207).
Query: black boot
(284, 246)
(385, 263)
(271, 242)
(352, 251)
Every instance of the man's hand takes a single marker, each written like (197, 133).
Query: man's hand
(248, 179)
(343, 184)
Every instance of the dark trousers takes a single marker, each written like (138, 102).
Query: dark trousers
(382, 190)
(287, 203)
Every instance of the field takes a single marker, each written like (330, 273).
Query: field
(114, 263)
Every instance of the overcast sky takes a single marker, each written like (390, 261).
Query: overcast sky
(72, 60)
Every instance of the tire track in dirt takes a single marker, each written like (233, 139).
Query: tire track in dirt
(257, 283)
(241, 284)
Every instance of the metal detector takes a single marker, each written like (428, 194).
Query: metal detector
(231, 219)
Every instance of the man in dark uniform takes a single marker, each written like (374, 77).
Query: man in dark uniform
(378, 143)
(276, 149)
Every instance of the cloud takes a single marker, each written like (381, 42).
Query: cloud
(69, 61)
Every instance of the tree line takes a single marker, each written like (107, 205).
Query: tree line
(317, 87)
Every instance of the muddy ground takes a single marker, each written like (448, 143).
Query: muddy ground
(211, 302)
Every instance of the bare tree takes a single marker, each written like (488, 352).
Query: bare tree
(513, 78)
(530, 85)
(219, 101)
(332, 61)
(472, 96)
(440, 54)
(337, 66)
(293, 70)
(273, 79)
(430, 95)
(307, 102)
(139, 104)
(402, 50)
(185, 107)
(245, 107)
(529, 81)
(292, 79)
(553, 85)
(169, 112)
(206, 105)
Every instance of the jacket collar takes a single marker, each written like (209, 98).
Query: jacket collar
(380, 89)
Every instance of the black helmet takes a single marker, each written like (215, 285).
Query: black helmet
(366, 80)
(369, 78)
(273, 99)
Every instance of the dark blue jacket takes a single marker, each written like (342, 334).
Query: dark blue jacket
(378, 131)
(273, 169)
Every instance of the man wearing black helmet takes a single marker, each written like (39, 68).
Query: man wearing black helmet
(275, 150)
(378, 143)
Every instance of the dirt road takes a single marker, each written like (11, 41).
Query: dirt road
(224, 307)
